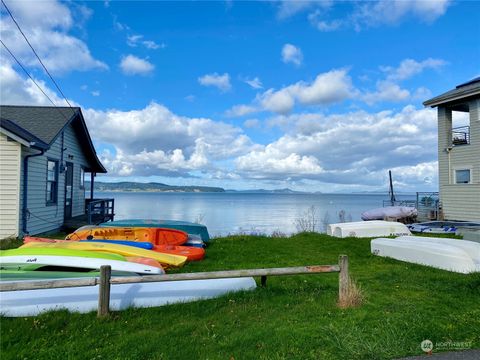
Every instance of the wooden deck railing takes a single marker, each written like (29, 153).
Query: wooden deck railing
(100, 210)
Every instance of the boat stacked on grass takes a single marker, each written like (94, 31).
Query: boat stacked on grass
(367, 229)
(130, 248)
(455, 255)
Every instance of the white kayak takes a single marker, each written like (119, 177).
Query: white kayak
(460, 256)
(122, 296)
(367, 229)
(12, 261)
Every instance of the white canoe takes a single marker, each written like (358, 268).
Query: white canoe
(77, 262)
(448, 254)
(122, 296)
(367, 229)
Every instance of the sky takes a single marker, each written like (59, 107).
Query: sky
(311, 95)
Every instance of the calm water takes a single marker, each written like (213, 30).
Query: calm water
(225, 213)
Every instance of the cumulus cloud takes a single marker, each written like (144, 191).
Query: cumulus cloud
(221, 82)
(410, 67)
(327, 88)
(376, 13)
(292, 54)
(240, 110)
(16, 90)
(352, 148)
(155, 141)
(392, 12)
(47, 25)
(132, 65)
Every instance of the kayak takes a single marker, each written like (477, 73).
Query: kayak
(155, 235)
(188, 227)
(192, 253)
(139, 244)
(163, 258)
(16, 258)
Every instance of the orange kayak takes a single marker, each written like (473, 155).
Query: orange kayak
(192, 253)
(156, 236)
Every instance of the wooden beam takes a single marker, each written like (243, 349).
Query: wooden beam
(343, 279)
(228, 274)
(104, 291)
(50, 284)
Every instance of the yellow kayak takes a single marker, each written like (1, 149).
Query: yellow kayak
(162, 258)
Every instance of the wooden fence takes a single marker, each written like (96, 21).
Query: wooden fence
(105, 280)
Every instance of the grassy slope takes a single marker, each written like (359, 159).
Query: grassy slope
(292, 318)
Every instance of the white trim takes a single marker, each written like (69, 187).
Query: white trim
(16, 138)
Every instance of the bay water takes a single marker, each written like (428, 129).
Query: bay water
(252, 213)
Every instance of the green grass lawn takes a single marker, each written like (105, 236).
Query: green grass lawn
(294, 317)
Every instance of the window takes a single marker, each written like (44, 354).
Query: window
(82, 178)
(52, 181)
(462, 176)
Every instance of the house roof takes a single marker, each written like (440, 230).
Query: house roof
(468, 90)
(41, 125)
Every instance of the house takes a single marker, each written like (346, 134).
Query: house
(459, 150)
(45, 154)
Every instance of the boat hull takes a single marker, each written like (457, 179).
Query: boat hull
(367, 229)
(448, 254)
(122, 296)
(188, 227)
(17, 258)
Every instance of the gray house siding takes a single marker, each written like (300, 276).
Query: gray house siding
(459, 201)
(43, 217)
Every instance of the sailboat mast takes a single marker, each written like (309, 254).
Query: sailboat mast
(392, 195)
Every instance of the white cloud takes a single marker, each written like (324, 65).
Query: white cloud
(392, 12)
(327, 88)
(386, 91)
(289, 8)
(95, 93)
(132, 65)
(240, 110)
(15, 90)
(135, 40)
(352, 148)
(376, 13)
(254, 83)
(46, 24)
(251, 123)
(410, 67)
(155, 141)
(292, 54)
(221, 82)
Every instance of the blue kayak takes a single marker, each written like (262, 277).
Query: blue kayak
(188, 227)
(138, 244)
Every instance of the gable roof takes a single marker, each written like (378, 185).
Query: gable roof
(463, 91)
(41, 125)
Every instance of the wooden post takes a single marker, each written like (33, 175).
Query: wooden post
(343, 279)
(104, 291)
(263, 280)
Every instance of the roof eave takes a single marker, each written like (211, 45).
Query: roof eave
(442, 99)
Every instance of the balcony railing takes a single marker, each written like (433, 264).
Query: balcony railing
(100, 210)
(461, 135)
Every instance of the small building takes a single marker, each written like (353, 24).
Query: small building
(45, 154)
(459, 150)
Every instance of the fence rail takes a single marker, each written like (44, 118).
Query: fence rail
(105, 280)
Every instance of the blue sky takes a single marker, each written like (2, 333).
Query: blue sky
(316, 96)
